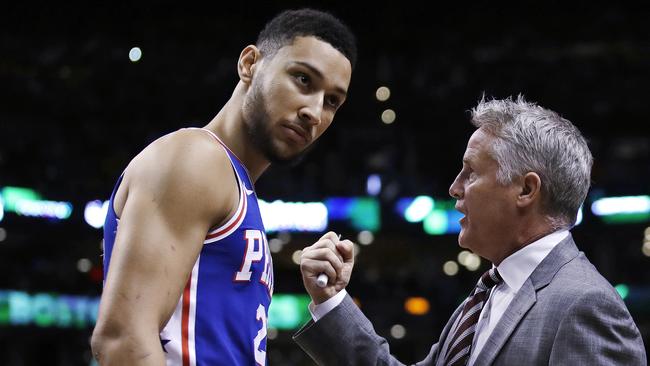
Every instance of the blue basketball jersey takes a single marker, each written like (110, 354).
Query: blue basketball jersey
(221, 316)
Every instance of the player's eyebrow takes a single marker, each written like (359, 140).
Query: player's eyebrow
(319, 74)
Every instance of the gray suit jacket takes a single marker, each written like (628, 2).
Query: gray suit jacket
(566, 313)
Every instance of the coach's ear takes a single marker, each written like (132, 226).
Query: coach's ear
(529, 190)
(248, 59)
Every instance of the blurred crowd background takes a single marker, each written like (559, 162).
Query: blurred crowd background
(84, 89)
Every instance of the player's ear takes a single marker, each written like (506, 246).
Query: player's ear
(248, 59)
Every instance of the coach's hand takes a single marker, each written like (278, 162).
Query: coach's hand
(331, 256)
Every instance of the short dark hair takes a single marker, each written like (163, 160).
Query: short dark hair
(289, 24)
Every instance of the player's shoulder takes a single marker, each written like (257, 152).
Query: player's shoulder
(188, 151)
(187, 159)
(178, 173)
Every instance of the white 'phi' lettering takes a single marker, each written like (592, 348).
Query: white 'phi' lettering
(254, 253)
(267, 275)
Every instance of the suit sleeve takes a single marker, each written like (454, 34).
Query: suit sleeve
(346, 337)
(598, 330)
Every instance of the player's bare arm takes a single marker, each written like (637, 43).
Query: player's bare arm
(167, 203)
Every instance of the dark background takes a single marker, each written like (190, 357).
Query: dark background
(74, 110)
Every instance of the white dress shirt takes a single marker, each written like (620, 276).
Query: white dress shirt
(514, 270)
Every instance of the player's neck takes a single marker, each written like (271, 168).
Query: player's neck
(227, 125)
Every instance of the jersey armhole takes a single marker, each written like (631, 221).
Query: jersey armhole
(219, 232)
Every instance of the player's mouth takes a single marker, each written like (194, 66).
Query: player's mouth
(297, 134)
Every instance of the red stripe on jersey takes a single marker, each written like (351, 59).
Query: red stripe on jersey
(214, 135)
(185, 321)
(234, 223)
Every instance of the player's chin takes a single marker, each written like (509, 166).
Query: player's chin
(295, 151)
(287, 157)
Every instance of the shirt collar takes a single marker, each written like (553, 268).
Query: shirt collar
(516, 268)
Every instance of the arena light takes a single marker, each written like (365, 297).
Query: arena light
(12, 195)
(373, 184)
(95, 213)
(388, 116)
(419, 209)
(293, 216)
(84, 265)
(438, 216)
(462, 256)
(2, 208)
(417, 305)
(625, 209)
(436, 223)
(52, 310)
(450, 268)
(579, 217)
(47, 209)
(645, 249)
(288, 311)
(275, 245)
(472, 262)
(397, 331)
(365, 237)
(362, 213)
(623, 290)
(19, 308)
(135, 54)
(295, 257)
(27, 202)
(620, 205)
(382, 94)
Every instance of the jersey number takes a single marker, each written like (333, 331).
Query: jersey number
(260, 354)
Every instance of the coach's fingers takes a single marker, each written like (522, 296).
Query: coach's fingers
(324, 254)
(325, 243)
(311, 268)
(345, 248)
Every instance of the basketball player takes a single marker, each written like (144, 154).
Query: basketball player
(188, 275)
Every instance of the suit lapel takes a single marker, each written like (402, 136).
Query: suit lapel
(525, 298)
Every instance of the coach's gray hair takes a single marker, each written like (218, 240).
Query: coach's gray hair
(529, 138)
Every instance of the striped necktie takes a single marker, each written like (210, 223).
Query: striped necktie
(461, 342)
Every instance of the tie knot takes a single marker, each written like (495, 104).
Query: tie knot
(489, 279)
